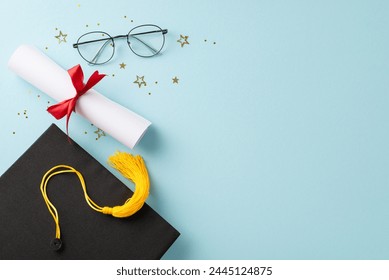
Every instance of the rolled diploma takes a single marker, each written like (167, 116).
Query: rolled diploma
(46, 75)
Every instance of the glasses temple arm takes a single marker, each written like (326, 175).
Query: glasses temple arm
(93, 61)
(151, 48)
(164, 31)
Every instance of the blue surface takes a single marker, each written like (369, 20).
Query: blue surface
(273, 145)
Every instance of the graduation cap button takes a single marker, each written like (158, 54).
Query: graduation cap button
(56, 244)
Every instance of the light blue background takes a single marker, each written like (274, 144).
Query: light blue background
(275, 142)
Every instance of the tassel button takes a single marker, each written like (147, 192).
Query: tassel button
(56, 244)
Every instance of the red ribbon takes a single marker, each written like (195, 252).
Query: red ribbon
(68, 106)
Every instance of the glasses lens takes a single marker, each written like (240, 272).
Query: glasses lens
(146, 40)
(96, 47)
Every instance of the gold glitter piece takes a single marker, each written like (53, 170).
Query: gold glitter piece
(113, 75)
(175, 80)
(122, 65)
(185, 42)
(156, 82)
(61, 37)
(140, 81)
(99, 133)
(78, 5)
(14, 132)
(125, 16)
(85, 132)
(149, 93)
(98, 24)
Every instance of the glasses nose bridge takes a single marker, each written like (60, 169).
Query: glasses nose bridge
(120, 36)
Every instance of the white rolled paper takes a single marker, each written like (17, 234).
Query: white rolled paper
(43, 73)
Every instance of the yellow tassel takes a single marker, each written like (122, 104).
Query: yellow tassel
(132, 167)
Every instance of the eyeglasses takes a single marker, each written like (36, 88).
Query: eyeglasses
(98, 47)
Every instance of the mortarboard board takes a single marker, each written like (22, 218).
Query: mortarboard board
(26, 227)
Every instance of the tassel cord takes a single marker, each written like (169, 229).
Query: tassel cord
(131, 167)
(52, 209)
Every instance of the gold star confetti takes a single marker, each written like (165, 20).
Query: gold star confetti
(175, 80)
(140, 81)
(122, 65)
(185, 42)
(99, 133)
(61, 37)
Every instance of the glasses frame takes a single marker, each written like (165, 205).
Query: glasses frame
(112, 39)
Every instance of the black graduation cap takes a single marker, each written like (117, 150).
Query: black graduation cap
(27, 229)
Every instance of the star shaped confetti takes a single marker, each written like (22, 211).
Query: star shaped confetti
(122, 65)
(175, 80)
(183, 40)
(140, 81)
(99, 133)
(61, 37)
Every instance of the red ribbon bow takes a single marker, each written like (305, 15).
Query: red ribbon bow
(68, 106)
